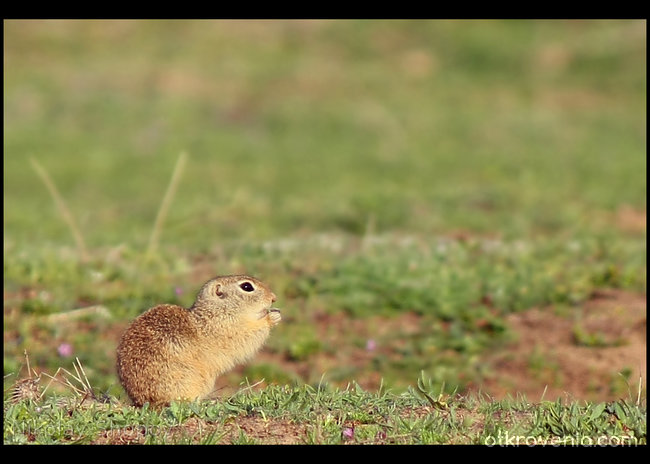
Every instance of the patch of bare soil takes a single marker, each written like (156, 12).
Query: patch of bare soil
(630, 219)
(265, 431)
(347, 349)
(597, 353)
(194, 430)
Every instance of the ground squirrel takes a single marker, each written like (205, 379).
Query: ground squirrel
(173, 353)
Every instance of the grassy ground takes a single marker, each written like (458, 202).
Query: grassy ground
(308, 415)
(413, 191)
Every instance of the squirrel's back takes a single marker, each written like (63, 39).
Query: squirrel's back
(152, 352)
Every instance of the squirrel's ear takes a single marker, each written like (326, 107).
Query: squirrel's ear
(217, 290)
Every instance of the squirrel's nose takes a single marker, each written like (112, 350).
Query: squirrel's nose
(273, 297)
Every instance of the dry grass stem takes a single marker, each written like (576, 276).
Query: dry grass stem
(27, 388)
(164, 206)
(62, 207)
(95, 310)
(86, 389)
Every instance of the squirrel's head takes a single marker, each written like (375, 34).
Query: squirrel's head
(235, 296)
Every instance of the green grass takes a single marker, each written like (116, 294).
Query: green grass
(320, 415)
(291, 127)
(461, 291)
(460, 171)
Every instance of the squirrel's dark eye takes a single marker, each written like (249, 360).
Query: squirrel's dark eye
(247, 287)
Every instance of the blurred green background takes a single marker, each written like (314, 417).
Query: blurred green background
(360, 167)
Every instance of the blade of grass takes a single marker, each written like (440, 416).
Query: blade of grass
(164, 206)
(62, 207)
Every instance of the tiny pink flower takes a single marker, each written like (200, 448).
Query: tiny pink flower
(371, 345)
(348, 433)
(178, 291)
(64, 350)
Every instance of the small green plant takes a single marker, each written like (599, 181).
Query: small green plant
(425, 388)
(594, 339)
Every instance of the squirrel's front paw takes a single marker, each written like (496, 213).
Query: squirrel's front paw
(274, 316)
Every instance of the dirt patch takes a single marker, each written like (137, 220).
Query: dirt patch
(132, 435)
(265, 431)
(347, 349)
(241, 429)
(630, 219)
(597, 352)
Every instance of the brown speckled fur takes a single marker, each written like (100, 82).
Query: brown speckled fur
(173, 353)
